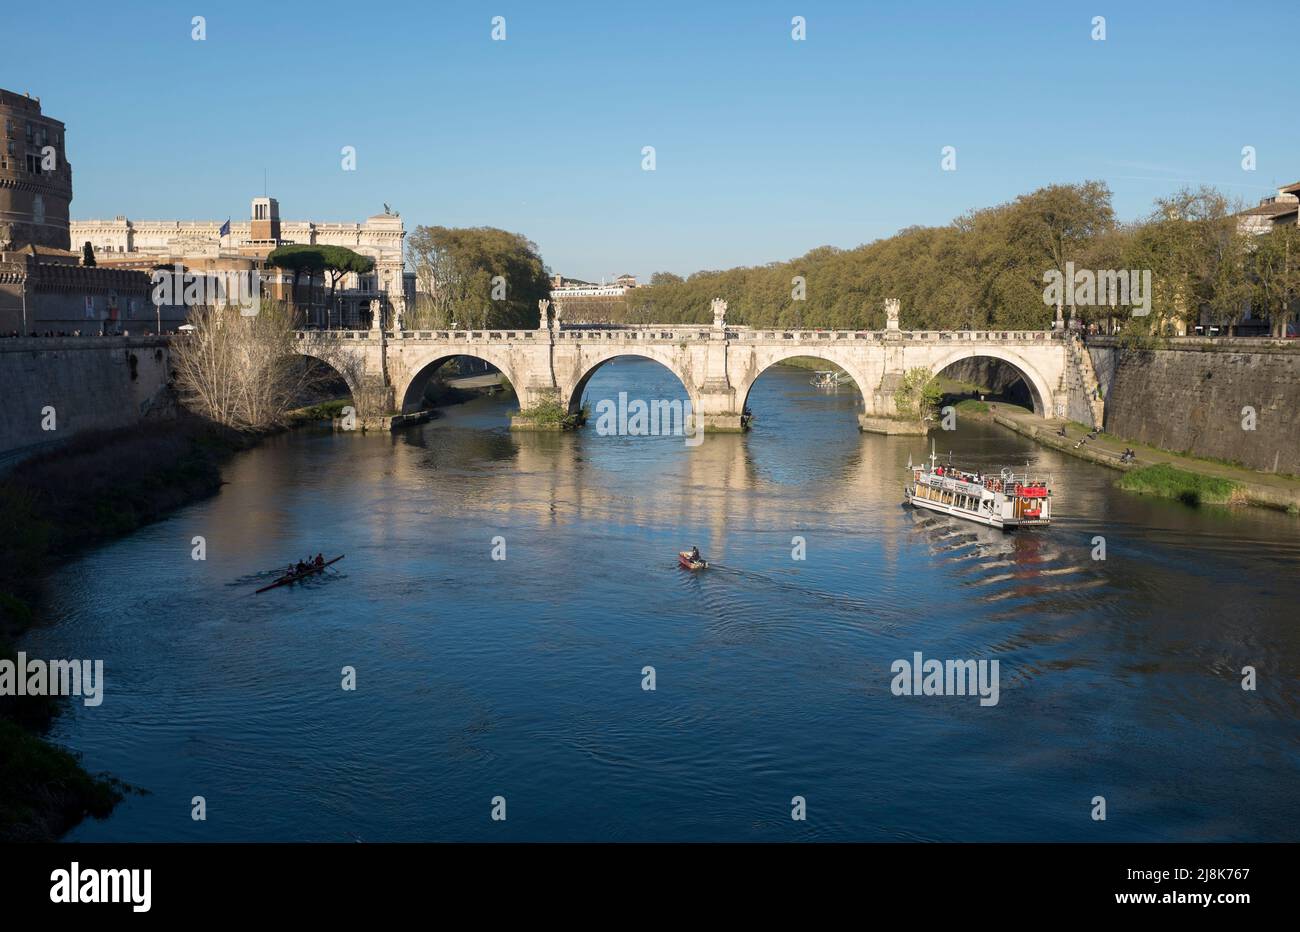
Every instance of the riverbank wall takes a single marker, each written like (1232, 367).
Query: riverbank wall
(1236, 400)
(53, 389)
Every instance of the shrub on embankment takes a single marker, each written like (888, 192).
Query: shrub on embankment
(43, 789)
(1187, 487)
(102, 485)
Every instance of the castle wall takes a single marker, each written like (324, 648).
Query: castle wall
(76, 384)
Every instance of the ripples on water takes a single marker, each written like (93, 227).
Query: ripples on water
(522, 677)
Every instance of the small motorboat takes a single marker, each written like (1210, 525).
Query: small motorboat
(684, 559)
(311, 570)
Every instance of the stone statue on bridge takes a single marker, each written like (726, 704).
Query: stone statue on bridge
(891, 313)
(542, 307)
(376, 314)
(555, 320)
(719, 313)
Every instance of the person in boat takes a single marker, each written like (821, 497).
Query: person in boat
(320, 560)
(301, 566)
(694, 556)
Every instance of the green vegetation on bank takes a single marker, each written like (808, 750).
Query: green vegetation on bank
(43, 789)
(918, 395)
(324, 411)
(551, 415)
(1187, 487)
(94, 488)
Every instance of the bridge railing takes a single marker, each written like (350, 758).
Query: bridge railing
(679, 334)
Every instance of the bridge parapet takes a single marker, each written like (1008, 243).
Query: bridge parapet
(680, 334)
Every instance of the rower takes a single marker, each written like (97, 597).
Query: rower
(320, 560)
(695, 555)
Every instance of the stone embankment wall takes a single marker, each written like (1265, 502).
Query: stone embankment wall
(90, 383)
(1190, 397)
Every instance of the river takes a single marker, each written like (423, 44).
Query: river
(522, 677)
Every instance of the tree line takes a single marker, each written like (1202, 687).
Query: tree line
(986, 270)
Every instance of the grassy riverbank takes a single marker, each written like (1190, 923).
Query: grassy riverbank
(1187, 487)
(95, 488)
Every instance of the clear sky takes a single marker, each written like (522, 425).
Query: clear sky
(765, 147)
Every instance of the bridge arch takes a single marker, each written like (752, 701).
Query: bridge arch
(1039, 389)
(335, 362)
(420, 370)
(766, 360)
(591, 362)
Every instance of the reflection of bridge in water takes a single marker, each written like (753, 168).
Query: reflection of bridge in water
(716, 365)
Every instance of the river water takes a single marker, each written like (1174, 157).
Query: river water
(522, 678)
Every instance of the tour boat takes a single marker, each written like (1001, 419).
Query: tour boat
(684, 558)
(1008, 500)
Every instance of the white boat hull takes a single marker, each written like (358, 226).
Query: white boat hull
(988, 520)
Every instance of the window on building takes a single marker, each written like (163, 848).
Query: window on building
(29, 132)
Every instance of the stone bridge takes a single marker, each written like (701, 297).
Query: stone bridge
(387, 370)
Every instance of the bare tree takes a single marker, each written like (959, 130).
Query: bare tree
(242, 371)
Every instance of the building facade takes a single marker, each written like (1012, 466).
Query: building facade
(582, 302)
(245, 245)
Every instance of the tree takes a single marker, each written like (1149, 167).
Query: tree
(243, 372)
(918, 394)
(1275, 267)
(477, 275)
(298, 259)
(338, 261)
(1203, 253)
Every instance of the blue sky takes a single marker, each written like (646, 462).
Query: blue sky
(765, 147)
